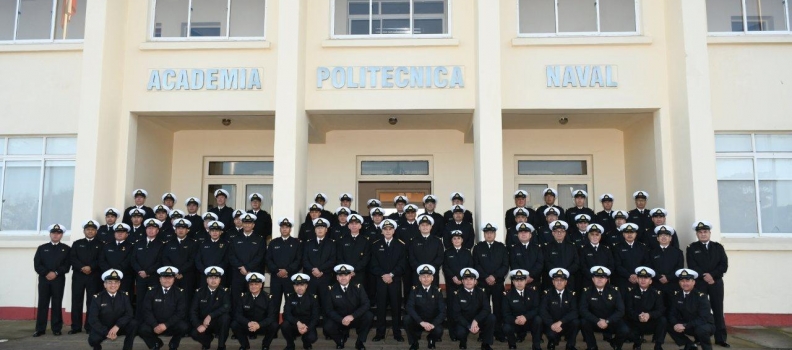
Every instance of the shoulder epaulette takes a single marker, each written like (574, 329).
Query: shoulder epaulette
(616, 288)
(676, 292)
(546, 291)
(181, 290)
(358, 285)
(659, 292)
(413, 287)
(126, 293)
(629, 289)
(330, 287)
(197, 289)
(456, 292)
(585, 289)
(96, 295)
(151, 288)
(573, 293)
(225, 289)
(701, 294)
(401, 241)
(376, 241)
(533, 288)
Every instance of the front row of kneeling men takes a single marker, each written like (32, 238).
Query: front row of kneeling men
(601, 308)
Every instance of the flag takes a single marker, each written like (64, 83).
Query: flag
(69, 9)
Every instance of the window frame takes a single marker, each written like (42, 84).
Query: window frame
(554, 180)
(241, 181)
(754, 156)
(380, 178)
(227, 38)
(638, 25)
(42, 159)
(746, 32)
(53, 24)
(411, 18)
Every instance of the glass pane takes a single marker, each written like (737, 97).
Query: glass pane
(247, 18)
(534, 194)
(776, 205)
(773, 143)
(76, 24)
(266, 193)
(774, 169)
(765, 15)
(25, 145)
(7, 18)
(2, 145)
(58, 193)
(724, 16)
(61, 145)
(552, 167)
(394, 26)
(359, 8)
(352, 17)
(241, 168)
(735, 169)
(617, 15)
(565, 191)
(537, 16)
(429, 7)
(394, 168)
(737, 205)
(733, 143)
(577, 16)
(171, 17)
(21, 193)
(359, 27)
(35, 20)
(428, 26)
(208, 18)
(211, 202)
(399, 7)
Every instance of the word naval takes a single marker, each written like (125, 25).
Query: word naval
(162, 271)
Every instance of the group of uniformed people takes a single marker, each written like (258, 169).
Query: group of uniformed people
(166, 272)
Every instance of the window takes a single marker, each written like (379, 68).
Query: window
(755, 183)
(420, 167)
(577, 17)
(36, 183)
(241, 168)
(42, 20)
(552, 167)
(748, 16)
(564, 173)
(390, 18)
(241, 177)
(208, 20)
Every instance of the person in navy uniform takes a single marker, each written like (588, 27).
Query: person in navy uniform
(455, 259)
(162, 214)
(347, 306)
(118, 255)
(211, 252)
(526, 255)
(319, 258)
(458, 223)
(640, 215)
(307, 229)
(372, 228)
(471, 308)
(521, 311)
(345, 199)
(665, 260)
(580, 198)
(520, 216)
(255, 313)
(658, 216)
(210, 311)
(425, 249)
(520, 201)
(51, 263)
(146, 259)
(246, 254)
(544, 232)
(321, 199)
(491, 260)
(136, 229)
(605, 217)
(426, 309)
(139, 195)
(181, 253)
(238, 228)
(690, 313)
(611, 238)
(164, 311)
(353, 249)
(110, 314)
(370, 205)
(549, 196)
(645, 310)
(399, 202)
(341, 228)
(709, 259)
(430, 204)
(168, 232)
(168, 200)
(193, 204)
(577, 236)
(224, 213)
(202, 232)
(86, 279)
(627, 256)
(559, 311)
(457, 198)
(105, 233)
(263, 226)
(561, 253)
(300, 314)
(594, 253)
(388, 264)
(408, 225)
(283, 259)
(602, 310)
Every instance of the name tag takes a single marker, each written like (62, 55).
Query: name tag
(157, 300)
(637, 297)
(174, 248)
(46, 250)
(316, 250)
(206, 247)
(515, 301)
(346, 245)
(141, 248)
(382, 249)
(338, 297)
(203, 301)
(110, 250)
(462, 301)
(518, 254)
(102, 305)
(593, 298)
(294, 303)
(680, 302)
(418, 296)
(589, 254)
(250, 242)
(276, 247)
(554, 302)
(696, 252)
(450, 256)
(246, 307)
(657, 257)
(624, 250)
(483, 255)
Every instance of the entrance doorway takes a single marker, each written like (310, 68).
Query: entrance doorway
(564, 173)
(241, 177)
(385, 191)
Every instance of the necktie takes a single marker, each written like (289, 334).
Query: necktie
(147, 243)
(560, 296)
(166, 291)
(596, 247)
(471, 293)
(520, 292)
(343, 289)
(664, 250)
(211, 294)
(642, 293)
(600, 293)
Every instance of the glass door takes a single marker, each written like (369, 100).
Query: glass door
(241, 177)
(564, 173)
(266, 193)
(210, 199)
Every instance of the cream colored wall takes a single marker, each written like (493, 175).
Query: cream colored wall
(23, 292)
(766, 294)
(153, 159)
(643, 172)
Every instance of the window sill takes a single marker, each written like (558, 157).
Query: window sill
(203, 45)
(749, 39)
(582, 41)
(390, 42)
(757, 244)
(41, 47)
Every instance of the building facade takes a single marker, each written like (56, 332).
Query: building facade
(688, 100)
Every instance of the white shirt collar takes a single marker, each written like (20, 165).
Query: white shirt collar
(112, 295)
(469, 290)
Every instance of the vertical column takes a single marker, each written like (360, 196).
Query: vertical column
(487, 120)
(692, 132)
(291, 121)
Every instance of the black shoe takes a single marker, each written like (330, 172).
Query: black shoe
(359, 345)
(398, 338)
(512, 346)
(431, 344)
(56, 333)
(658, 346)
(637, 344)
(723, 344)
(462, 345)
(501, 339)
(486, 347)
(265, 348)
(690, 347)
(307, 347)
(550, 345)
(378, 337)
(339, 345)
(156, 347)
(414, 346)
(38, 334)
(74, 331)
(289, 348)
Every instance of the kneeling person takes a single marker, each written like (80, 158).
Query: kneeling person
(110, 314)
(210, 310)
(471, 309)
(602, 310)
(559, 311)
(645, 309)
(426, 309)
(164, 311)
(300, 314)
(690, 317)
(347, 306)
(255, 313)
(521, 311)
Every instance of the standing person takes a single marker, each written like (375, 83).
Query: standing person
(430, 204)
(283, 259)
(457, 198)
(212, 252)
(640, 215)
(246, 254)
(645, 310)
(164, 312)
(341, 228)
(581, 198)
(105, 233)
(353, 249)
(709, 259)
(318, 259)
(347, 306)
(520, 201)
(146, 259)
(521, 311)
(408, 226)
(658, 216)
(372, 229)
(86, 279)
(139, 196)
(255, 313)
(136, 229)
(459, 224)
(193, 204)
(561, 253)
(491, 260)
(627, 256)
(307, 229)
(455, 259)
(544, 232)
(471, 308)
(388, 263)
(51, 263)
(224, 213)
(549, 196)
(118, 255)
(425, 249)
(210, 311)
(168, 200)
(559, 311)
(181, 253)
(520, 216)
(110, 314)
(527, 256)
(238, 227)
(162, 214)
(605, 217)
(300, 314)
(594, 253)
(263, 226)
(577, 235)
(321, 199)
(370, 205)
(398, 202)
(690, 314)
(611, 238)
(426, 309)
(665, 260)
(602, 310)
(202, 233)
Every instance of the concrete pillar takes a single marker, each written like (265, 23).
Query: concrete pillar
(692, 133)
(291, 121)
(487, 120)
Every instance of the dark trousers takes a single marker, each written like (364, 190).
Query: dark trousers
(407, 283)
(82, 285)
(141, 287)
(218, 327)
(533, 325)
(238, 283)
(414, 330)
(618, 328)
(242, 333)
(655, 326)
(187, 283)
(128, 285)
(291, 333)
(486, 330)
(362, 326)
(176, 332)
(50, 291)
(701, 333)
(451, 288)
(129, 332)
(389, 295)
(496, 293)
(569, 330)
(316, 286)
(280, 286)
(715, 292)
(371, 286)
